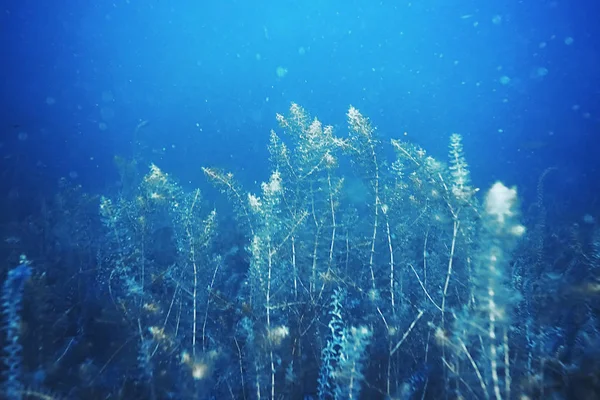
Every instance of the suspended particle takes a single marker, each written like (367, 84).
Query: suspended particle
(281, 72)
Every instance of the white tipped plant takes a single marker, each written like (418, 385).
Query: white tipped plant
(461, 181)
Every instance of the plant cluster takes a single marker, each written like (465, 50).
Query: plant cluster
(356, 277)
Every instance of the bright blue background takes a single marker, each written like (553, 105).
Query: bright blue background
(204, 76)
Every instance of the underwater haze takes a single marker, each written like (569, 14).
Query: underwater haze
(300, 200)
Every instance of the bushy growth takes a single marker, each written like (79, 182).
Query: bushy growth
(160, 270)
(344, 275)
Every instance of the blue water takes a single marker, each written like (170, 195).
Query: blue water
(88, 86)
